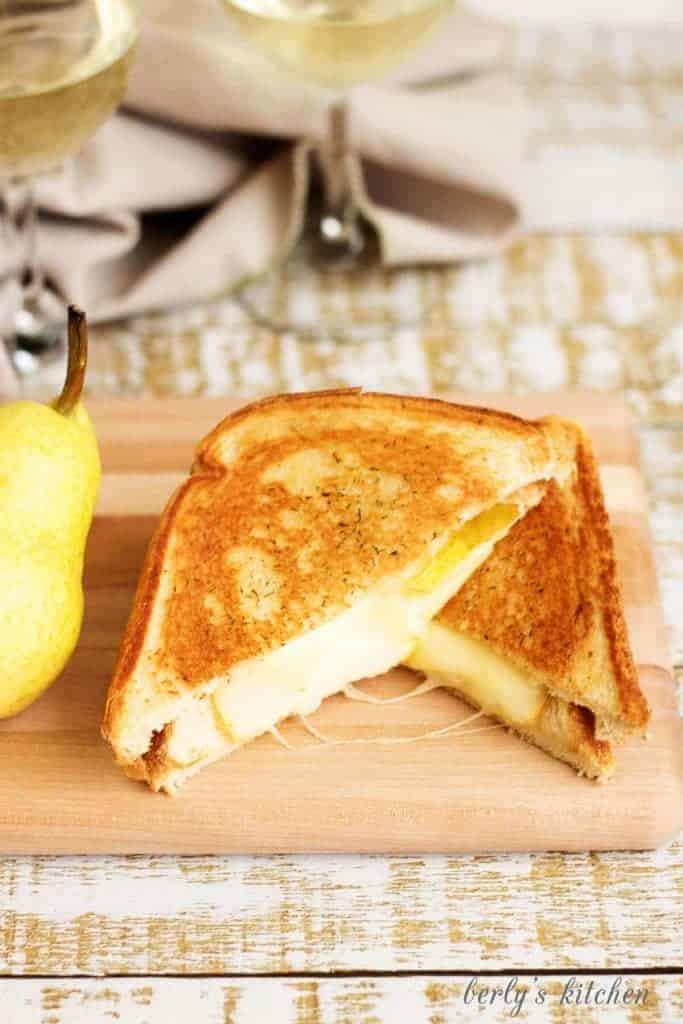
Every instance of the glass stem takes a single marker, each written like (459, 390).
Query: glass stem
(18, 198)
(340, 221)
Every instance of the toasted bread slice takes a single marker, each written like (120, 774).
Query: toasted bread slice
(537, 636)
(315, 539)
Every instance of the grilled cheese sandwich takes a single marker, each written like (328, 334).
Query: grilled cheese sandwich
(314, 542)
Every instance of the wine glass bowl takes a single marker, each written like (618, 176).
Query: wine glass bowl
(335, 44)
(64, 65)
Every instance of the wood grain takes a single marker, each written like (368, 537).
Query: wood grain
(662, 458)
(60, 791)
(283, 915)
(301, 1000)
(564, 311)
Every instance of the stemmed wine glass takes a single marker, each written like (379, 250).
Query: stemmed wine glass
(64, 65)
(335, 44)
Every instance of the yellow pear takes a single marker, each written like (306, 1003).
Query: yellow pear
(49, 477)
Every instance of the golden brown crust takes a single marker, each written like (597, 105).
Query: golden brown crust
(136, 628)
(628, 705)
(548, 597)
(337, 398)
(297, 505)
(521, 602)
(568, 732)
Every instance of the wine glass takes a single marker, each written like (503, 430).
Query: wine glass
(63, 69)
(334, 44)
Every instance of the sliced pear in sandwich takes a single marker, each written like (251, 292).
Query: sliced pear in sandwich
(482, 676)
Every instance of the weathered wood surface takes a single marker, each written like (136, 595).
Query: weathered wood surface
(342, 1000)
(553, 313)
(662, 463)
(561, 311)
(282, 915)
(146, 915)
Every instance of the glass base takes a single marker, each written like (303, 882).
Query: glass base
(36, 331)
(349, 305)
(323, 290)
(344, 306)
(326, 289)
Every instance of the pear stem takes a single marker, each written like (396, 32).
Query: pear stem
(76, 362)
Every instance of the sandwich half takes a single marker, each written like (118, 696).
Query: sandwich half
(315, 539)
(536, 637)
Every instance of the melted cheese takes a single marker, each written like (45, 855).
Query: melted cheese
(490, 681)
(377, 633)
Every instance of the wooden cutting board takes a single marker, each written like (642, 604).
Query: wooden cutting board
(60, 791)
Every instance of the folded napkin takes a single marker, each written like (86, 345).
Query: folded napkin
(438, 149)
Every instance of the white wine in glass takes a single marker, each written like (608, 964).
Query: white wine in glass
(335, 44)
(64, 65)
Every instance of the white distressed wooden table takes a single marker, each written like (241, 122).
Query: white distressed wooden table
(377, 939)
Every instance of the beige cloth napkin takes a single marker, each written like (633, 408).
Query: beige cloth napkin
(439, 155)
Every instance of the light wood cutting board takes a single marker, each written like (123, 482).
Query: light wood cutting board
(60, 791)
